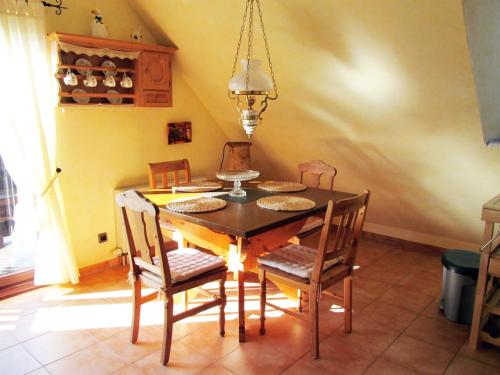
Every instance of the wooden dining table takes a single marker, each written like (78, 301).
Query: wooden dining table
(243, 231)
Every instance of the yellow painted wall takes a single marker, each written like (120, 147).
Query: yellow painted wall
(102, 148)
(381, 89)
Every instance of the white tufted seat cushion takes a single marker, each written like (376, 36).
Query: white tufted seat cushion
(187, 263)
(295, 259)
(311, 223)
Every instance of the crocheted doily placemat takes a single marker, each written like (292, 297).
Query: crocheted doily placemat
(202, 204)
(281, 186)
(286, 203)
(197, 187)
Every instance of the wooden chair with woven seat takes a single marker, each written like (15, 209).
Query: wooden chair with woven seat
(170, 272)
(310, 174)
(315, 270)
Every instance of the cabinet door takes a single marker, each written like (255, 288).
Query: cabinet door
(155, 71)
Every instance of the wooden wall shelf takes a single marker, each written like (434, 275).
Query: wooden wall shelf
(149, 67)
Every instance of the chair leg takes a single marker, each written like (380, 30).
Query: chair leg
(186, 300)
(136, 311)
(222, 316)
(300, 295)
(262, 279)
(314, 320)
(348, 304)
(168, 326)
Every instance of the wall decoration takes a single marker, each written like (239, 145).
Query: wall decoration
(179, 132)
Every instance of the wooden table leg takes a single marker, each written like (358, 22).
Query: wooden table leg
(241, 305)
(241, 288)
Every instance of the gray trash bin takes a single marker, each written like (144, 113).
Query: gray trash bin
(460, 269)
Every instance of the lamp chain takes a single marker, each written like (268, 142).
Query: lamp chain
(250, 40)
(242, 30)
(267, 51)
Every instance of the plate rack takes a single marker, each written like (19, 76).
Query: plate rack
(147, 65)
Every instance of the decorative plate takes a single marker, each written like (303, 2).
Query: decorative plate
(198, 187)
(80, 99)
(196, 205)
(281, 186)
(113, 100)
(286, 203)
(109, 64)
(83, 62)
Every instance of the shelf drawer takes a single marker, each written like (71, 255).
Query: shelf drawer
(157, 98)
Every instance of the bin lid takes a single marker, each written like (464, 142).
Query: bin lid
(462, 262)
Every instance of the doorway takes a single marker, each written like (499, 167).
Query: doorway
(17, 236)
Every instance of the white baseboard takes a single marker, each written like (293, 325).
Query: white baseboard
(423, 238)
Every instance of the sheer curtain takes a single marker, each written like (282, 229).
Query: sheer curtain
(27, 134)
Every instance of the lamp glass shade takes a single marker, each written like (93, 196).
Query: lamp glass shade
(258, 81)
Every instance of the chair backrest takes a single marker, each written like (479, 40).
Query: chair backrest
(138, 214)
(312, 171)
(238, 158)
(350, 215)
(163, 169)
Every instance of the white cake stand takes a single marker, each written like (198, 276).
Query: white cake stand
(237, 177)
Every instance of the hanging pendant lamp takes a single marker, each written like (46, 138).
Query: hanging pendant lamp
(251, 87)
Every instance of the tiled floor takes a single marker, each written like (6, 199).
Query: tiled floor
(397, 329)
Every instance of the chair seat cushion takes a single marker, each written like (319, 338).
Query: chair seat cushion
(311, 223)
(295, 259)
(187, 263)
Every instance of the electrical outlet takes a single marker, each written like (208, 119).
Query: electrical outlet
(102, 237)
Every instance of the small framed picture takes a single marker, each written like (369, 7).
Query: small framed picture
(179, 132)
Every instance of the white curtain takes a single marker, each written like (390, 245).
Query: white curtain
(27, 135)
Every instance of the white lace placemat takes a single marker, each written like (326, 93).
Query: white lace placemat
(286, 203)
(194, 205)
(281, 186)
(197, 187)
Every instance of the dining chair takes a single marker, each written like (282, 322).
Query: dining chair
(164, 170)
(310, 173)
(170, 272)
(161, 172)
(315, 270)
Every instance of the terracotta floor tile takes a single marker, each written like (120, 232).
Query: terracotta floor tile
(55, 345)
(48, 321)
(485, 353)
(95, 359)
(209, 343)
(369, 286)
(394, 317)
(335, 357)
(284, 329)
(7, 339)
(27, 328)
(426, 282)
(17, 360)
(407, 298)
(418, 355)
(441, 333)
(256, 358)
(40, 371)
(464, 366)
(182, 361)
(128, 370)
(366, 336)
(128, 352)
(384, 367)
(433, 310)
(389, 276)
(215, 370)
